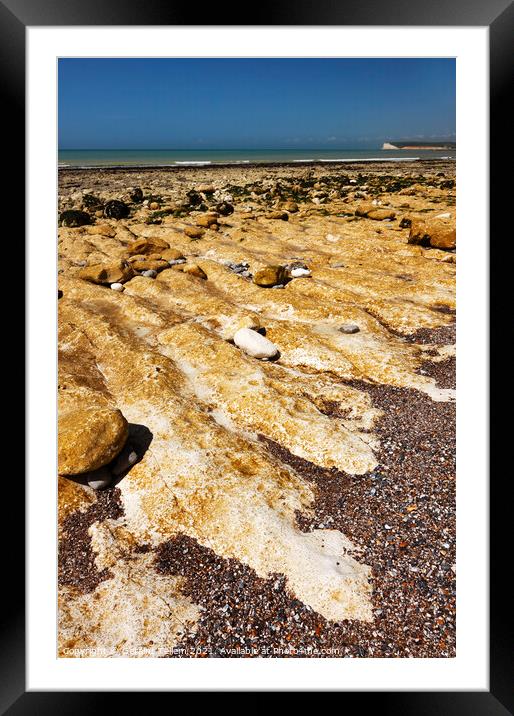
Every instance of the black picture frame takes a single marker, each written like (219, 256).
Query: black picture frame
(498, 15)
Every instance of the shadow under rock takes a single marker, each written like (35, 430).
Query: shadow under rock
(138, 441)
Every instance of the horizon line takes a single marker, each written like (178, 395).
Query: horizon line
(229, 149)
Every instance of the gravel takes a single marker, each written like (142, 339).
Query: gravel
(442, 372)
(76, 563)
(445, 335)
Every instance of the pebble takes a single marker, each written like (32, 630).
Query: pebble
(269, 276)
(299, 272)
(241, 269)
(149, 274)
(194, 232)
(349, 328)
(125, 459)
(174, 262)
(193, 270)
(206, 188)
(282, 215)
(106, 274)
(254, 344)
(99, 479)
(117, 287)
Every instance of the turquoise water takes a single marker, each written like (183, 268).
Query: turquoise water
(203, 157)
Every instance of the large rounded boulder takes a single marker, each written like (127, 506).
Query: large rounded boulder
(90, 438)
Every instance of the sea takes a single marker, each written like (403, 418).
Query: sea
(94, 158)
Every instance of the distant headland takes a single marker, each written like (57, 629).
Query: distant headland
(418, 145)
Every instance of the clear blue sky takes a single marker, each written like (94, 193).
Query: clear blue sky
(253, 103)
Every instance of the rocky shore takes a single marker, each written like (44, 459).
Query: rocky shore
(257, 411)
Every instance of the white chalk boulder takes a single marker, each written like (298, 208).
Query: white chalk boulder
(254, 345)
(99, 479)
(299, 272)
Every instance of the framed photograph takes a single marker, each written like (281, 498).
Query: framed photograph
(258, 313)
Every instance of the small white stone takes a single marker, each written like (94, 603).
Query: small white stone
(123, 462)
(98, 479)
(149, 274)
(299, 272)
(117, 287)
(99, 484)
(254, 344)
(445, 215)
